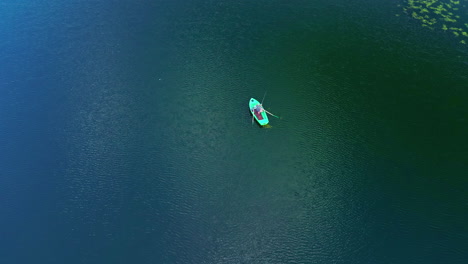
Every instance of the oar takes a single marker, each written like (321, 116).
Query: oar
(271, 114)
(263, 97)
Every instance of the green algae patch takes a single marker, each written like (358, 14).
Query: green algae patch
(443, 15)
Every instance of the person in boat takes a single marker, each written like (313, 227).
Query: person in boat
(259, 108)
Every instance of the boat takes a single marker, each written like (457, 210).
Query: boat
(258, 112)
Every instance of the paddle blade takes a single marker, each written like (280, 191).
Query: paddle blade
(272, 114)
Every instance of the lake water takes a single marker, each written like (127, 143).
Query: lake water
(126, 135)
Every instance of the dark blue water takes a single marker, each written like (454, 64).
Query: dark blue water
(126, 137)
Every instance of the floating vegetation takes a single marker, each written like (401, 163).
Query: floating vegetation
(440, 14)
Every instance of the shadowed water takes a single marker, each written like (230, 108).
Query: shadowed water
(128, 139)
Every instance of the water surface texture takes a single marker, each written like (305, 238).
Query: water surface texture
(126, 135)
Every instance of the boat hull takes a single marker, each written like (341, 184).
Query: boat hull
(262, 117)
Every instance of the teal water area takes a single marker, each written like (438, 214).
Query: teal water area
(128, 139)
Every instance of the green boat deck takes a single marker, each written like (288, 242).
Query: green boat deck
(261, 117)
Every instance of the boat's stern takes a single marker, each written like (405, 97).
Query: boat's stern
(264, 121)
